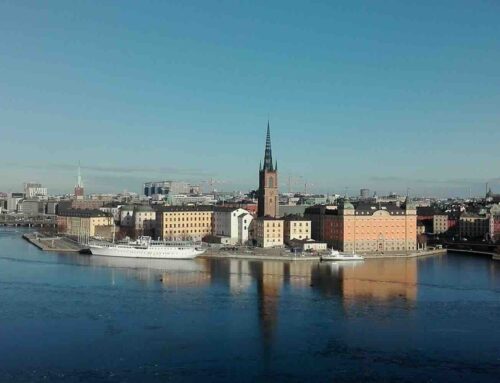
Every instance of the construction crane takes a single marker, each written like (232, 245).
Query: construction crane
(211, 183)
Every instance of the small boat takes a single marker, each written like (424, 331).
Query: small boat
(337, 256)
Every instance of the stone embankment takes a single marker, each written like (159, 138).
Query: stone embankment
(286, 255)
(54, 243)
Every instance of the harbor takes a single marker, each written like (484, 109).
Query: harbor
(64, 244)
(262, 315)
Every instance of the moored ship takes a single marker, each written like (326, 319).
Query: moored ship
(335, 255)
(145, 247)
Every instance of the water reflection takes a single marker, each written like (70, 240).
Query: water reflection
(383, 279)
(349, 283)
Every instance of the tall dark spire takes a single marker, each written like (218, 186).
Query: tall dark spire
(268, 155)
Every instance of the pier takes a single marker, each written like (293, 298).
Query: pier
(53, 243)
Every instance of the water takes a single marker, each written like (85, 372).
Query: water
(77, 318)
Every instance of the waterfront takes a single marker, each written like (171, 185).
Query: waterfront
(72, 318)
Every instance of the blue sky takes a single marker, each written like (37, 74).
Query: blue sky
(385, 95)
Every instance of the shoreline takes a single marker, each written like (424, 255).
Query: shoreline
(63, 244)
(284, 256)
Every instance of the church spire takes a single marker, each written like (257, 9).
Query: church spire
(79, 178)
(268, 155)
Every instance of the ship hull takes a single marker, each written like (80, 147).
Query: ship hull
(148, 253)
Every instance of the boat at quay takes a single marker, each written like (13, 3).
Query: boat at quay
(335, 255)
(145, 247)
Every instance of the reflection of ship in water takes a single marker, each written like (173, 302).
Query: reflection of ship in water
(381, 279)
(193, 275)
(170, 271)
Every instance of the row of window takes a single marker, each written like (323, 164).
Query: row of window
(187, 219)
(188, 225)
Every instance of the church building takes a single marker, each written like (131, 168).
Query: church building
(268, 183)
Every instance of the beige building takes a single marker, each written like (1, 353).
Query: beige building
(267, 232)
(296, 228)
(440, 223)
(85, 223)
(183, 222)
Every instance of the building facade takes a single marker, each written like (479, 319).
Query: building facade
(32, 207)
(495, 223)
(183, 222)
(170, 188)
(440, 223)
(232, 224)
(366, 228)
(144, 218)
(267, 232)
(34, 190)
(268, 196)
(474, 226)
(85, 223)
(296, 228)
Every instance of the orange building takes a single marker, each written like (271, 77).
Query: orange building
(366, 228)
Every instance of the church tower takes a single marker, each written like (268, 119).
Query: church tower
(79, 191)
(268, 183)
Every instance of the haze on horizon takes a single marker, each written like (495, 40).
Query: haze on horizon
(385, 96)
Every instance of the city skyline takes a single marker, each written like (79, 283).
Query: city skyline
(385, 97)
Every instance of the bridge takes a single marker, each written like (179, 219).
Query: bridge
(28, 221)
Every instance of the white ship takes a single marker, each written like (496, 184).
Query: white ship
(337, 256)
(145, 247)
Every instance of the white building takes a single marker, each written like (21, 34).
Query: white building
(144, 219)
(127, 216)
(113, 210)
(232, 224)
(14, 202)
(182, 199)
(34, 190)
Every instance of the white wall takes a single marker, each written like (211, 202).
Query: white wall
(227, 224)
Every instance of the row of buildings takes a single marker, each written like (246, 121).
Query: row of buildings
(364, 225)
(266, 218)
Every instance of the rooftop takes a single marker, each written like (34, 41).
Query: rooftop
(85, 213)
(184, 208)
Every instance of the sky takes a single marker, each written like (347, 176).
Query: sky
(385, 95)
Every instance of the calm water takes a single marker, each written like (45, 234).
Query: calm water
(77, 318)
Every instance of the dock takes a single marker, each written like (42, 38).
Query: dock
(53, 243)
(284, 255)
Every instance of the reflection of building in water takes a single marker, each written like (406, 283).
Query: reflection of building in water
(326, 279)
(380, 279)
(300, 273)
(184, 276)
(269, 278)
(239, 276)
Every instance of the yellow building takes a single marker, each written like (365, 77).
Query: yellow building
(440, 223)
(85, 223)
(184, 222)
(267, 232)
(296, 228)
